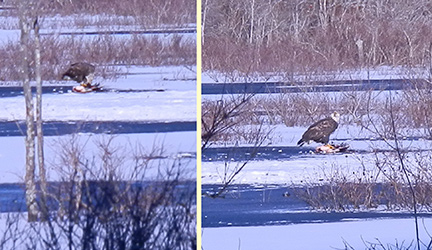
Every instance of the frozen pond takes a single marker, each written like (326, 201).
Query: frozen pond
(62, 89)
(247, 205)
(281, 87)
(12, 196)
(56, 128)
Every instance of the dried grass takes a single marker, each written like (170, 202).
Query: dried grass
(105, 50)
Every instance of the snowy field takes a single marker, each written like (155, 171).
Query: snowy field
(364, 234)
(307, 166)
(302, 166)
(378, 73)
(177, 101)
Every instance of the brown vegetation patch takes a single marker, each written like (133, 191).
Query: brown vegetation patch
(314, 36)
(58, 53)
(144, 13)
(385, 186)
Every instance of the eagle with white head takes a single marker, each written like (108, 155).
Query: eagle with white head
(321, 130)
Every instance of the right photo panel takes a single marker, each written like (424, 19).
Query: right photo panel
(316, 129)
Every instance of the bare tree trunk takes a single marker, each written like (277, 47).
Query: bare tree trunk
(359, 44)
(252, 23)
(30, 184)
(39, 132)
(204, 15)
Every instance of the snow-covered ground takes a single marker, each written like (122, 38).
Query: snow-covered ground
(149, 94)
(341, 235)
(142, 93)
(309, 168)
(377, 73)
(146, 106)
(177, 101)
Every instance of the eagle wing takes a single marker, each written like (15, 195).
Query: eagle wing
(78, 71)
(83, 68)
(320, 131)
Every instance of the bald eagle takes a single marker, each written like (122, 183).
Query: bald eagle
(320, 131)
(80, 72)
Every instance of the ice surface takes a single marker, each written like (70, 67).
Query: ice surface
(174, 146)
(357, 234)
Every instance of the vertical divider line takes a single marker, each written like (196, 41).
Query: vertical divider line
(198, 132)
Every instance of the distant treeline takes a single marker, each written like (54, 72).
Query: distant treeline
(151, 12)
(310, 36)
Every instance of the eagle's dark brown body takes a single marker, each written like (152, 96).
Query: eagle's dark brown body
(81, 72)
(320, 131)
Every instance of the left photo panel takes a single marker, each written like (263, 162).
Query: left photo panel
(98, 124)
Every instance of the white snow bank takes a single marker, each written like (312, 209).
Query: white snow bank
(147, 106)
(377, 73)
(167, 77)
(298, 170)
(318, 236)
